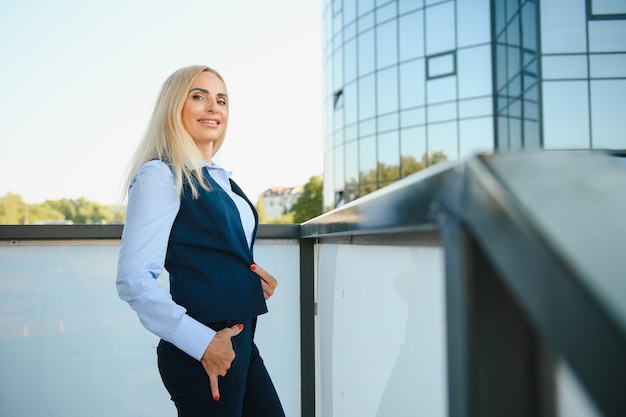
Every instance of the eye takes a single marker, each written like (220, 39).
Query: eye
(197, 97)
(222, 102)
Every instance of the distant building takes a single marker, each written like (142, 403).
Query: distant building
(409, 82)
(280, 200)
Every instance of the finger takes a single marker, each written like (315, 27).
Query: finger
(215, 391)
(236, 329)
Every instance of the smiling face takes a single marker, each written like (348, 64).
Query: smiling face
(205, 112)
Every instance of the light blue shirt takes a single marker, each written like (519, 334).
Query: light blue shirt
(153, 204)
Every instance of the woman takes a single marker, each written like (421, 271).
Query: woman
(186, 215)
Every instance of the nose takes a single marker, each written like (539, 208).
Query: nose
(211, 106)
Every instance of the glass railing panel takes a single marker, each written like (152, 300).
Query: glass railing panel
(69, 346)
(381, 331)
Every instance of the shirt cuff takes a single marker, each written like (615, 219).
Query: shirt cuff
(192, 337)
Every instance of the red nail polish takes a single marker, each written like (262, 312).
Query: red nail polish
(240, 326)
(253, 267)
(216, 398)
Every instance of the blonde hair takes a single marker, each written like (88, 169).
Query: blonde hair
(166, 138)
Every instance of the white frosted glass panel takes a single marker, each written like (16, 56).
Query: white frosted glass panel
(566, 115)
(563, 26)
(387, 360)
(564, 67)
(72, 348)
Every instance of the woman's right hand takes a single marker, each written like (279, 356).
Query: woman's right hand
(219, 355)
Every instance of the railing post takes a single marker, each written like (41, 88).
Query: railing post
(307, 326)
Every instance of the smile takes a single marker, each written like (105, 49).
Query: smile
(209, 122)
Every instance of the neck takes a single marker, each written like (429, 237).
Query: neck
(206, 152)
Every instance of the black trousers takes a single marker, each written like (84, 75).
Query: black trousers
(245, 391)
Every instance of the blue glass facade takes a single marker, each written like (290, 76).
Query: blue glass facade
(411, 82)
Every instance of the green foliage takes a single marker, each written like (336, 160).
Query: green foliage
(286, 218)
(260, 208)
(309, 204)
(13, 210)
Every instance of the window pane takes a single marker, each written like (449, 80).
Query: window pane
(412, 81)
(367, 158)
(441, 89)
(389, 155)
(440, 33)
(564, 67)
(349, 53)
(476, 135)
(413, 149)
(441, 65)
(337, 70)
(367, 127)
(608, 65)
(349, 10)
(366, 52)
(475, 107)
(411, 31)
(563, 26)
(350, 103)
(352, 162)
(388, 122)
(409, 5)
(473, 22)
(607, 7)
(386, 12)
(366, 22)
(367, 97)
(607, 36)
(474, 72)
(608, 101)
(338, 165)
(387, 88)
(386, 44)
(442, 139)
(441, 112)
(413, 117)
(365, 6)
(565, 115)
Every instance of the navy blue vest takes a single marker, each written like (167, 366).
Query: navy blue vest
(209, 260)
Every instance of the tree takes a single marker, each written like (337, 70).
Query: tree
(309, 204)
(260, 208)
(12, 209)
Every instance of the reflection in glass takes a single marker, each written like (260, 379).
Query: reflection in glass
(442, 137)
(440, 32)
(337, 70)
(351, 133)
(409, 5)
(349, 10)
(563, 26)
(389, 156)
(413, 117)
(608, 101)
(476, 135)
(349, 60)
(352, 162)
(366, 22)
(529, 20)
(386, 44)
(412, 80)
(338, 164)
(473, 23)
(441, 89)
(566, 115)
(366, 52)
(387, 89)
(365, 6)
(607, 7)
(350, 103)
(367, 97)
(608, 65)
(476, 107)
(367, 158)
(411, 33)
(564, 66)
(388, 122)
(474, 72)
(441, 112)
(412, 147)
(607, 35)
(386, 12)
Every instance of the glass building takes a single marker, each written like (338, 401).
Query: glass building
(411, 82)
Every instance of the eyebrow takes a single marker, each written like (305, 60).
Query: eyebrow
(205, 91)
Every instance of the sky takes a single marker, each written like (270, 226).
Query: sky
(78, 81)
